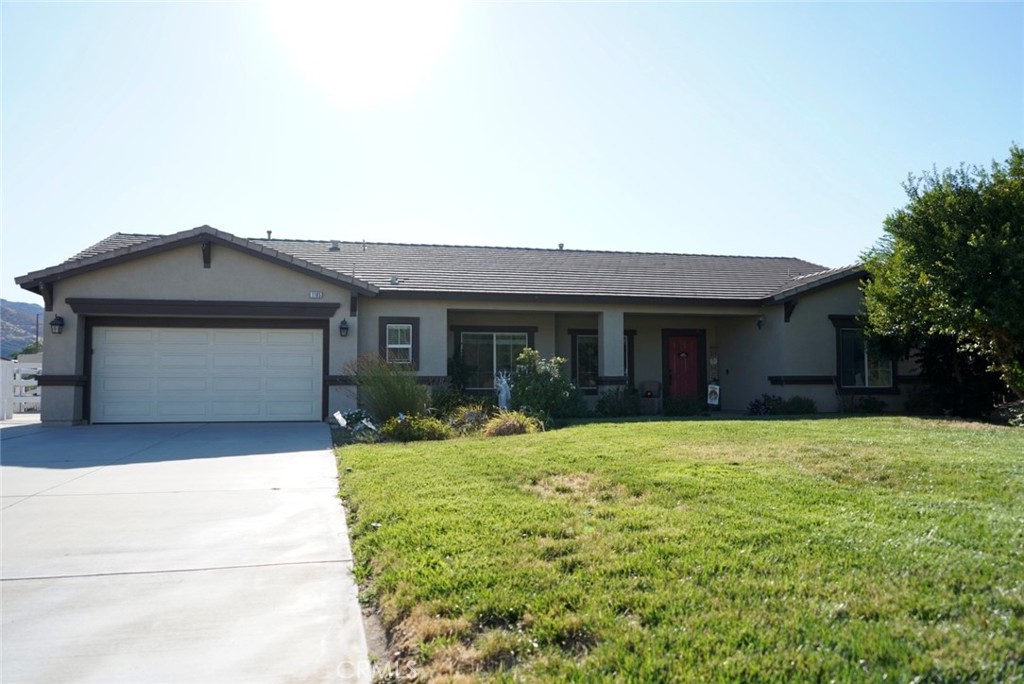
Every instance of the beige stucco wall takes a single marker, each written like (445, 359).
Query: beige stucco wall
(179, 274)
(806, 345)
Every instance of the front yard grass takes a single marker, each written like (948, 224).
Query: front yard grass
(722, 550)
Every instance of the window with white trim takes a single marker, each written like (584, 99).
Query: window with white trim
(398, 343)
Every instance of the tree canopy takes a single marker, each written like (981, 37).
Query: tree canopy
(951, 263)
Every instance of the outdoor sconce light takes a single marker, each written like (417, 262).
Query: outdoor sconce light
(760, 322)
(57, 325)
(343, 328)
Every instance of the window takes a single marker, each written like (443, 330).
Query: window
(585, 358)
(490, 353)
(399, 341)
(860, 366)
(586, 362)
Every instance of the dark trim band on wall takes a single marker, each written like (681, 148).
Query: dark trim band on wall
(801, 379)
(62, 380)
(495, 328)
(349, 381)
(179, 322)
(601, 300)
(185, 307)
(845, 321)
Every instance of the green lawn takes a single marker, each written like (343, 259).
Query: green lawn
(721, 550)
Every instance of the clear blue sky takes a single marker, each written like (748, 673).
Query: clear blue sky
(761, 129)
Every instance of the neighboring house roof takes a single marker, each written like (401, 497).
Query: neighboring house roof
(512, 272)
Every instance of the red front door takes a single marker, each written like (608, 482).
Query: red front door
(683, 364)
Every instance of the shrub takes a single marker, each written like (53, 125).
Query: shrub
(511, 423)
(620, 401)
(404, 428)
(798, 406)
(870, 405)
(385, 389)
(684, 406)
(459, 372)
(1011, 414)
(445, 398)
(469, 417)
(773, 405)
(540, 387)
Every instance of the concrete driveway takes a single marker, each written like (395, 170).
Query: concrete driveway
(175, 553)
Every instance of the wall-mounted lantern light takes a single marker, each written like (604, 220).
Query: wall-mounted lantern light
(760, 322)
(343, 328)
(57, 325)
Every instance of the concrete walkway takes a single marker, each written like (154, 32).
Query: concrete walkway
(175, 553)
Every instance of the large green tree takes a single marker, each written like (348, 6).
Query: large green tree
(951, 263)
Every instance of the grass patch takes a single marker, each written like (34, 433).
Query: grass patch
(722, 550)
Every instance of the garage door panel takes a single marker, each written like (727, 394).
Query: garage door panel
(291, 361)
(175, 336)
(117, 384)
(227, 360)
(124, 411)
(182, 410)
(237, 410)
(288, 410)
(199, 384)
(186, 374)
(301, 338)
(126, 336)
(173, 360)
(127, 360)
(290, 384)
(241, 383)
(238, 337)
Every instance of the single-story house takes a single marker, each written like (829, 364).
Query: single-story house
(202, 325)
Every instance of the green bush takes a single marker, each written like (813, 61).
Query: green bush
(870, 405)
(541, 388)
(798, 406)
(469, 417)
(445, 398)
(684, 406)
(511, 423)
(620, 401)
(385, 389)
(773, 405)
(404, 428)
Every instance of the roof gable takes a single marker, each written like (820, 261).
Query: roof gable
(121, 247)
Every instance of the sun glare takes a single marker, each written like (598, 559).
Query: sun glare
(364, 54)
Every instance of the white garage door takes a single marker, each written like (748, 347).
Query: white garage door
(147, 375)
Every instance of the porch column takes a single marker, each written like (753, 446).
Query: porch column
(610, 331)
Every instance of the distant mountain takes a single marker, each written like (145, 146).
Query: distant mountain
(18, 326)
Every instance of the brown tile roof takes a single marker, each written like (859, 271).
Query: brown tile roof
(815, 280)
(513, 271)
(113, 242)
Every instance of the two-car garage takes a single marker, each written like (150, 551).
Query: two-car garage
(166, 373)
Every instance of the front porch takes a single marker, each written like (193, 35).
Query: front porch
(662, 355)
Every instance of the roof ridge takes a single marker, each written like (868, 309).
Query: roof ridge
(535, 249)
